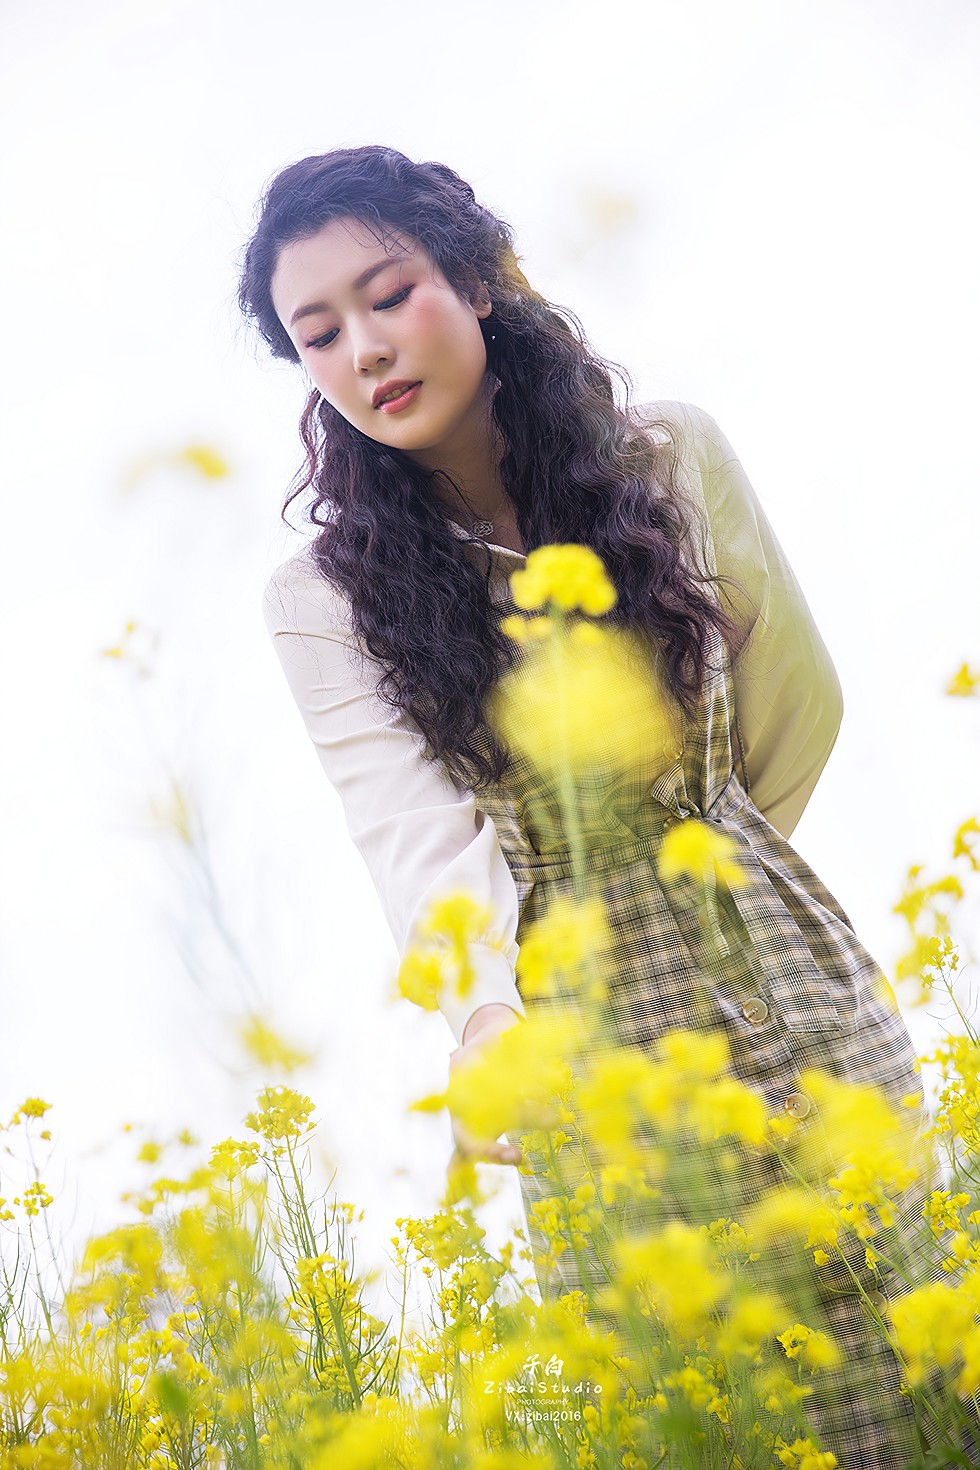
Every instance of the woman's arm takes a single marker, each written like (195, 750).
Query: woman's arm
(787, 693)
(419, 835)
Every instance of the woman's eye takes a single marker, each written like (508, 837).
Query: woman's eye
(394, 300)
(385, 305)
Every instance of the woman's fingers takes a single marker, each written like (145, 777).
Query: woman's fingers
(484, 1150)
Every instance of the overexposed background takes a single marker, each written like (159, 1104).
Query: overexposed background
(766, 208)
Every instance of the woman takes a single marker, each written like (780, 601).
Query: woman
(456, 421)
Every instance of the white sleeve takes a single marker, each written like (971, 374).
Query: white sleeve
(419, 834)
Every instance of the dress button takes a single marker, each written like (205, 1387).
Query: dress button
(755, 1010)
(797, 1104)
(669, 822)
(879, 1301)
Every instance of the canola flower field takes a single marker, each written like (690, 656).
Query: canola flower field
(224, 1325)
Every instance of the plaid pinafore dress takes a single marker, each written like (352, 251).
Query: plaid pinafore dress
(791, 987)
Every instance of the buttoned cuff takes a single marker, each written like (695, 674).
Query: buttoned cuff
(493, 984)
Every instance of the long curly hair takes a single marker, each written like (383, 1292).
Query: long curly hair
(576, 467)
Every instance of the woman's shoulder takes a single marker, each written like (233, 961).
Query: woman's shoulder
(297, 597)
(691, 425)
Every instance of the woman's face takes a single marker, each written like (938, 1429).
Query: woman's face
(362, 316)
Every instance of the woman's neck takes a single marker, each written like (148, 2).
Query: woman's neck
(467, 469)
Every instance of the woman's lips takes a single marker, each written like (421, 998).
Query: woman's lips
(392, 405)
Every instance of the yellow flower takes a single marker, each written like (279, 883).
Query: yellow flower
(821, 1351)
(577, 702)
(696, 1388)
(35, 1198)
(802, 1454)
(455, 916)
(732, 1241)
(697, 1055)
(728, 1106)
(965, 681)
(421, 976)
(31, 1107)
(268, 1048)
(932, 1323)
(282, 1114)
(793, 1212)
(942, 1209)
(678, 1269)
(570, 576)
(777, 1392)
(699, 850)
(207, 461)
(868, 1141)
(230, 1158)
(752, 1320)
(451, 924)
(516, 1074)
(526, 630)
(964, 848)
(568, 942)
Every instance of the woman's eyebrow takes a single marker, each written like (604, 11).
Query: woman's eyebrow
(359, 284)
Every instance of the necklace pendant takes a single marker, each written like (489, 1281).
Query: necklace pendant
(483, 528)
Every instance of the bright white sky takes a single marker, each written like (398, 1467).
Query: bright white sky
(766, 208)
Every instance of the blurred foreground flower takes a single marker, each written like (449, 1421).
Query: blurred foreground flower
(566, 946)
(701, 851)
(569, 576)
(441, 960)
(265, 1046)
(515, 1078)
(965, 682)
(203, 459)
(586, 697)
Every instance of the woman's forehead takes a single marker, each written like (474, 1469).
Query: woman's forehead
(335, 258)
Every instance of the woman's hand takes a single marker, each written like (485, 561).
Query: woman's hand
(482, 1027)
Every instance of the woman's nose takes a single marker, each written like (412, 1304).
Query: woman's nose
(370, 349)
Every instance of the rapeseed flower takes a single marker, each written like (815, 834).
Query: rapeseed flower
(701, 851)
(527, 630)
(31, 1107)
(205, 459)
(677, 1270)
(576, 703)
(935, 1327)
(283, 1114)
(817, 1349)
(803, 1454)
(231, 1159)
(566, 945)
(727, 1106)
(265, 1046)
(440, 960)
(793, 1213)
(751, 1321)
(570, 576)
(516, 1075)
(867, 1141)
(965, 682)
(965, 842)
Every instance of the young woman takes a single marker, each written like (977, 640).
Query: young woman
(456, 420)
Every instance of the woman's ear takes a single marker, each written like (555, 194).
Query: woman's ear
(479, 295)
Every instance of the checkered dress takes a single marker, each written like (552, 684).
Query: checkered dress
(790, 986)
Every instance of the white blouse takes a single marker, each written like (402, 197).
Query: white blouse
(421, 835)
